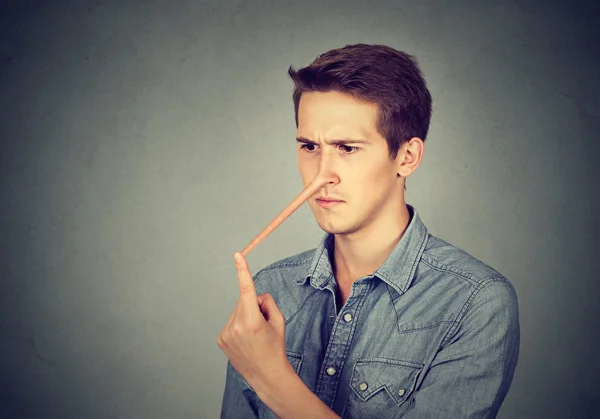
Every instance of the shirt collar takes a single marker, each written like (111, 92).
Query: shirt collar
(397, 270)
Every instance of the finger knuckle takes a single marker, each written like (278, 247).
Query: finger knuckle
(237, 329)
(244, 289)
(253, 327)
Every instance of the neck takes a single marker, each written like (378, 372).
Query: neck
(361, 253)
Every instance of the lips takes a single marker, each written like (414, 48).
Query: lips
(329, 200)
(328, 203)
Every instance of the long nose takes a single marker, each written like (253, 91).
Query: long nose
(322, 179)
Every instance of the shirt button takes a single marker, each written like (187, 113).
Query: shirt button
(348, 317)
(401, 392)
(330, 371)
(363, 386)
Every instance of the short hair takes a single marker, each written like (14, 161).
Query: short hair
(375, 74)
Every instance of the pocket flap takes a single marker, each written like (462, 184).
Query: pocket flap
(295, 359)
(397, 378)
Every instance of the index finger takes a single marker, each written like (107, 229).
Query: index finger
(247, 290)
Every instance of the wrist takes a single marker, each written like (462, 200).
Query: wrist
(275, 385)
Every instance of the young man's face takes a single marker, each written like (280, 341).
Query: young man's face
(365, 177)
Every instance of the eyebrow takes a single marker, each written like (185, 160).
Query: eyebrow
(335, 141)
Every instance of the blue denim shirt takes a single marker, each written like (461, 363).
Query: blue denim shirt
(432, 334)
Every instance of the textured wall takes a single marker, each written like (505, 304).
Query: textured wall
(143, 142)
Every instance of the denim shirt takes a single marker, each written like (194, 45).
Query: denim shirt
(433, 333)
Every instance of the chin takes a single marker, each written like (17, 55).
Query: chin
(327, 226)
(338, 224)
(335, 228)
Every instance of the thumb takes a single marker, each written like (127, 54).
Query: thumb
(270, 311)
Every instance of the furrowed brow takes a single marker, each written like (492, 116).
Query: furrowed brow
(335, 141)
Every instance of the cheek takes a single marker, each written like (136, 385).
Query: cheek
(369, 186)
(366, 179)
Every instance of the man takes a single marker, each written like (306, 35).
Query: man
(383, 319)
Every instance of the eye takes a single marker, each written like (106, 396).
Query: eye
(346, 147)
(304, 146)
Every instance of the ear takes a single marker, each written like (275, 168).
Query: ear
(409, 156)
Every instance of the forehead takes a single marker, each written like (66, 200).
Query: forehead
(334, 114)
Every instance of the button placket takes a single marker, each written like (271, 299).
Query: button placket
(343, 329)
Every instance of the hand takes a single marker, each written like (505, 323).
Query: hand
(254, 336)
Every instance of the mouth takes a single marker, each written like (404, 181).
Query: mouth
(328, 203)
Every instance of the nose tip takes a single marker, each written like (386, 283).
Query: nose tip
(323, 179)
(320, 181)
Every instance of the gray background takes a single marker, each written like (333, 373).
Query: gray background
(143, 142)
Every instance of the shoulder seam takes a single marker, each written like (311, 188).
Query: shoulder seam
(465, 275)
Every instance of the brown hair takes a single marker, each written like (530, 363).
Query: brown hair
(377, 74)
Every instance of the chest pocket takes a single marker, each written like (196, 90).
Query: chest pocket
(381, 388)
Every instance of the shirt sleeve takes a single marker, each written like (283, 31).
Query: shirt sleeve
(470, 376)
(239, 401)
